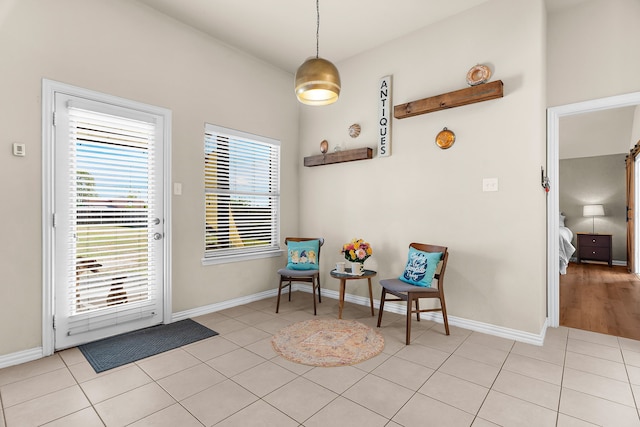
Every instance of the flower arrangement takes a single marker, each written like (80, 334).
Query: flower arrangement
(357, 250)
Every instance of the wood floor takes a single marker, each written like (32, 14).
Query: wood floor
(599, 298)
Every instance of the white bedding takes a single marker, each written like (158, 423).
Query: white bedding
(566, 248)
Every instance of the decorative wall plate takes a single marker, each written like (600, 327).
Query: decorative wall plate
(445, 138)
(324, 146)
(354, 130)
(478, 75)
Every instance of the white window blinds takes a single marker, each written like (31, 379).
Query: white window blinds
(111, 201)
(242, 193)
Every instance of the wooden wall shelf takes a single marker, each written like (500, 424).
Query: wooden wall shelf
(458, 98)
(339, 157)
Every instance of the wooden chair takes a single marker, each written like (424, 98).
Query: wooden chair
(406, 292)
(288, 276)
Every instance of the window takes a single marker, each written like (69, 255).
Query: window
(242, 195)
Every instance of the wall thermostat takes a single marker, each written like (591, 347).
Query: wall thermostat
(18, 149)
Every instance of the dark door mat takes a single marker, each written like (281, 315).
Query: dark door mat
(109, 353)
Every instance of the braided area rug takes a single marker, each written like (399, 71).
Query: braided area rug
(328, 342)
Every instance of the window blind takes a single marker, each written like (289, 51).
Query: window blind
(111, 200)
(242, 193)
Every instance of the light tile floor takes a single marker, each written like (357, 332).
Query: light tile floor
(577, 378)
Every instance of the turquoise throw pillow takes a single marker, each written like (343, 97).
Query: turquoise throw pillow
(421, 267)
(303, 255)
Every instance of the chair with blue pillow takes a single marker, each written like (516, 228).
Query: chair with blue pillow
(423, 277)
(303, 265)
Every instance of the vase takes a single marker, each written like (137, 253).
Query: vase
(357, 268)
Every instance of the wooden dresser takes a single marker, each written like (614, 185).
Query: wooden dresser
(594, 247)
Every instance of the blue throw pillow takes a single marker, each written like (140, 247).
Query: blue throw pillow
(303, 255)
(421, 267)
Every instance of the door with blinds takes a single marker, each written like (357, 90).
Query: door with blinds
(108, 220)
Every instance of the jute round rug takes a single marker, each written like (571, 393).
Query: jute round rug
(327, 342)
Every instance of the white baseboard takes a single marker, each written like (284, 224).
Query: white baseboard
(473, 325)
(486, 328)
(20, 357)
(514, 334)
(211, 308)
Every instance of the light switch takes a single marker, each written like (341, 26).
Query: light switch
(177, 188)
(490, 184)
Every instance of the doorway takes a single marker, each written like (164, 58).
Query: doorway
(553, 204)
(107, 242)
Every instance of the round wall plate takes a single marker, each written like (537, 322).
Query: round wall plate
(478, 75)
(445, 138)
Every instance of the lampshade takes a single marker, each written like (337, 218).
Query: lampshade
(593, 210)
(317, 82)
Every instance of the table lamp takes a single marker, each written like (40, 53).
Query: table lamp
(593, 211)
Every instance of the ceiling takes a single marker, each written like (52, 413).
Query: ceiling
(283, 32)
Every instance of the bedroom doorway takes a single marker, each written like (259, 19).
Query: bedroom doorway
(553, 203)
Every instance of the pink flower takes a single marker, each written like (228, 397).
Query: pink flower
(357, 250)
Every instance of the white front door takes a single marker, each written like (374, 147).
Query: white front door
(108, 223)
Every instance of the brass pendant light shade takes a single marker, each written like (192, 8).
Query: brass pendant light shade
(317, 80)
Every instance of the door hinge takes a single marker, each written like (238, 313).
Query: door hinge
(54, 118)
(53, 220)
(54, 321)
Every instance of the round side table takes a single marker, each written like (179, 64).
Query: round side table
(343, 277)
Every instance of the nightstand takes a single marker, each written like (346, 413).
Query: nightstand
(594, 247)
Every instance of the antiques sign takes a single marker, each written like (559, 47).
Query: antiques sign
(384, 117)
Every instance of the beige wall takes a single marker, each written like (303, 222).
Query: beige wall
(592, 51)
(421, 193)
(133, 52)
(591, 54)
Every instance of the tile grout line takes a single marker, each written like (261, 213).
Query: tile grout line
(564, 364)
(477, 415)
(338, 395)
(635, 399)
(278, 409)
(369, 372)
(91, 405)
(434, 371)
(394, 355)
(4, 418)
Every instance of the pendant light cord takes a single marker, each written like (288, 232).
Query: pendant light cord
(317, 28)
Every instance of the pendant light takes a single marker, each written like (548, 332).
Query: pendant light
(317, 80)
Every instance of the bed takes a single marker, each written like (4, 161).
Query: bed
(566, 249)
